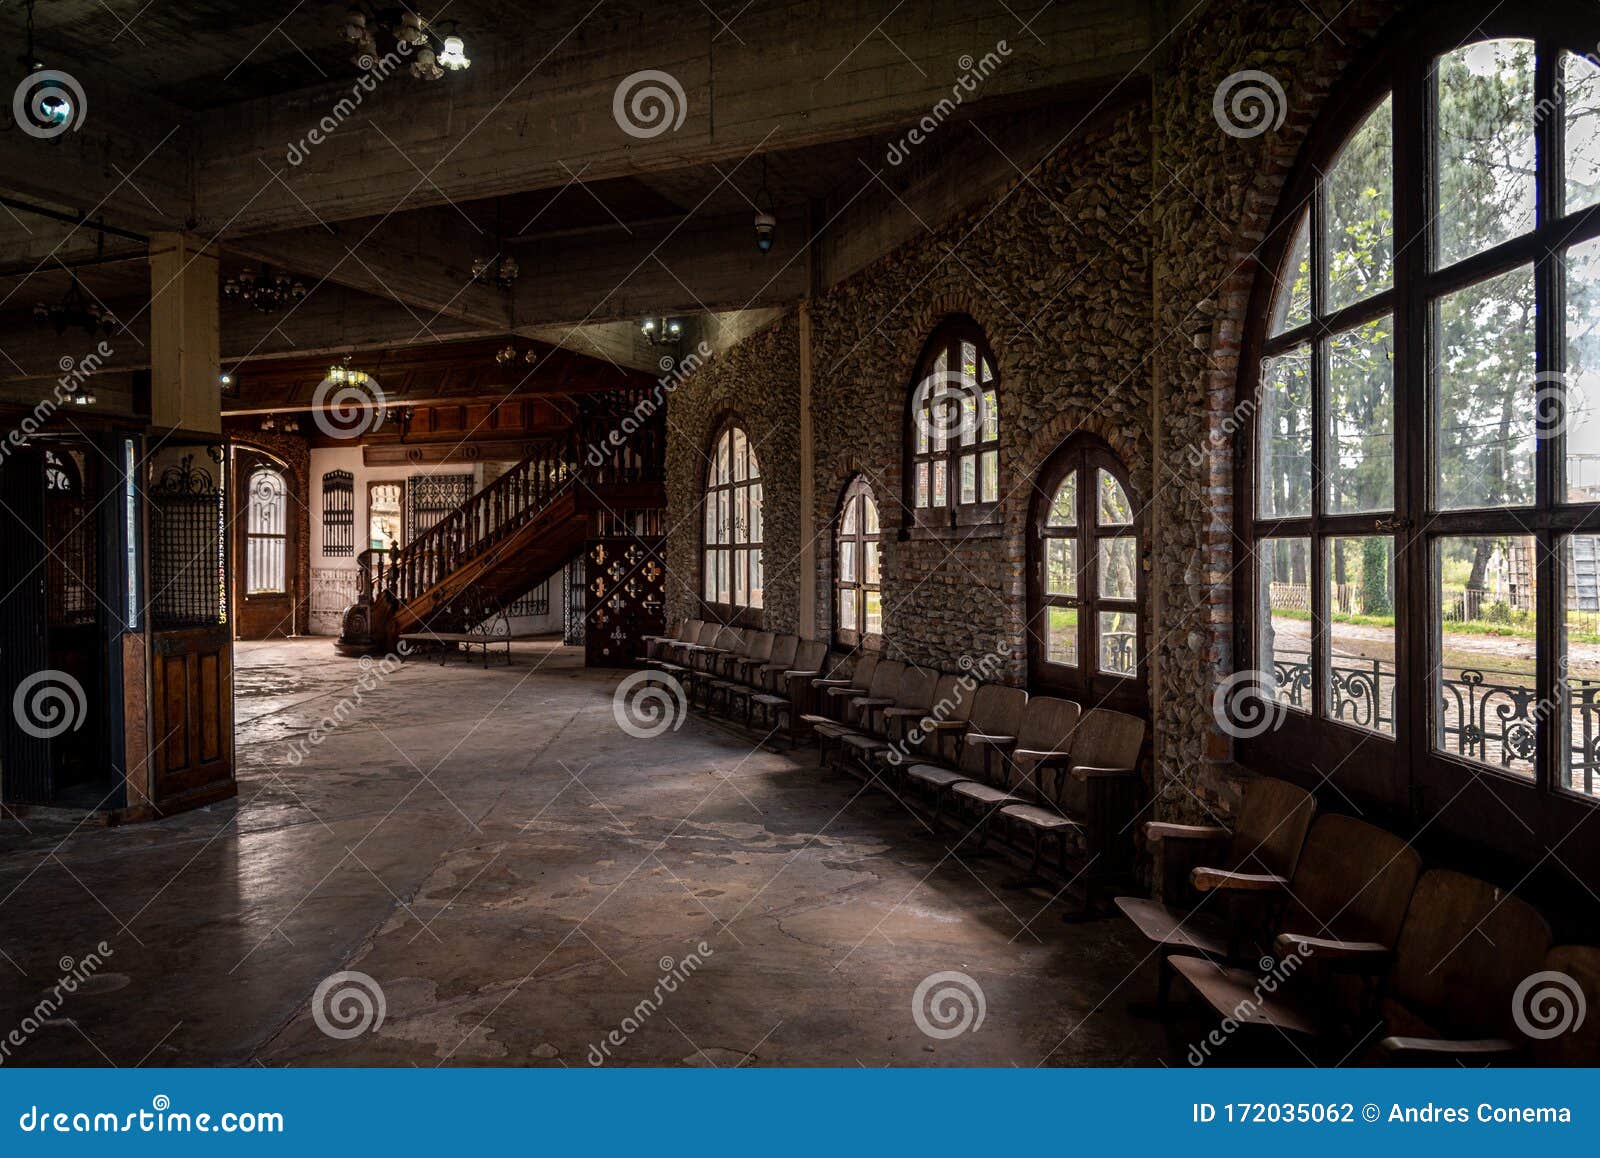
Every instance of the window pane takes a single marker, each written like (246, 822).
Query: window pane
(755, 467)
(1580, 82)
(871, 574)
(264, 566)
(874, 612)
(922, 484)
(848, 522)
(709, 569)
(711, 520)
(1061, 635)
(991, 476)
(1361, 632)
(1064, 506)
(1291, 304)
(1118, 564)
(968, 423)
(757, 519)
(724, 530)
(1580, 420)
(1360, 454)
(1283, 620)
(267, 503)
(740, 559)
(1484, 621)
(1485, 375)
(757, 578)
(1118, 642)
(847, 562)
(870, 510)
(722, 457)
(1284, 467)
(740, 450)
(1359, 196)
(991, 415)
(969, 478)
(741, 514)
(1061, 566)
(847, 609)
(921, 435)
(1579, 769)
(1484, 151)
(722, 576)
(1113, 508)
(940, 497)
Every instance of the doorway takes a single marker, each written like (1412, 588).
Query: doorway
(267, 545)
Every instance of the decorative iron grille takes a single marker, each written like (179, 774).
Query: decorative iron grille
(574, 604)
(535, 602)
(69, 532)
(338, 514)
(188, 562)
(430, 497)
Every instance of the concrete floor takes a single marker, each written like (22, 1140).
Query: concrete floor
(514, 872)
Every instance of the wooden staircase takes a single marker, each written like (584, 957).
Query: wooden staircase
(505, 540)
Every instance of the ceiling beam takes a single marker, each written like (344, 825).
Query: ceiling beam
(539, 113)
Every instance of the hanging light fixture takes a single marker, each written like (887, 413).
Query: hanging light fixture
(661, 331)
(75, 310)
(454, 55)
(412, 35)
(766, 221)
(266, 291)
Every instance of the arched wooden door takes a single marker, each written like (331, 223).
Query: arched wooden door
(266, 528)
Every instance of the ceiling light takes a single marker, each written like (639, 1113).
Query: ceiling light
(75, 310)
(265, 291)
(410, 30)
(661, 331)
(454, 55)
(766, 221)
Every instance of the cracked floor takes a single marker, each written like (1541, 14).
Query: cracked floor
(528, 885)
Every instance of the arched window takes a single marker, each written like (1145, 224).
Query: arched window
(266, 533)
(1423, 494)
(1085, 576)
(953, 430)
(731, 565)
(858, 598)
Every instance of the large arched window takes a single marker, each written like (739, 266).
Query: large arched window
(266, 533)
(1084, 582)
(731, 565)
(858, 597)
(1422, 499)
(953, 430)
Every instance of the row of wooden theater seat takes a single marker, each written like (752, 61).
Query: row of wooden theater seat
(744, 673)
(1424, 962)
(1036, 771)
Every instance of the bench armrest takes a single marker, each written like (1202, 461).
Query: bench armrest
(830, 683)
(1438, 1051)
(986, 738)
(1363, 954)
(1162, 830)
(1052, 758)
(1090, 772)
(872, 702)
(1207, 880)
(947, 726)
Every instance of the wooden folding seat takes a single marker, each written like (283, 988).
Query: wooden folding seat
(1011, 772)
(727, 669)
(675, 654)
(831, 693)
(655, 645)
(930, 735)
(914, 693)
(1578, 1044)
(755, 678)
(792, 692)
(995, 718)
(1265, 839)
(880, 693)
(1447, 983)
(1085, 796)
(1352, 882)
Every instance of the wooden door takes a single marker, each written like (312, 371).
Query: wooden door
(191, 648)
(266, 546)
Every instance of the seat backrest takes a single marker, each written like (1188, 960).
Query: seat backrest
(811, 655)
(951, 700)
(1048, 723)
(1553, 1003)
(1271, 826)
(1353, 882)
(760, 646)
(916, 688)
(707, 632)
(689, 629)
(886, 679)
(996, 711)
(783, 650)
(1102, 739)
(728, 639)
(1463, 950)
(861, 677)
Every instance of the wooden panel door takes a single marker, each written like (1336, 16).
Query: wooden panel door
(191, 692)
(266, 547)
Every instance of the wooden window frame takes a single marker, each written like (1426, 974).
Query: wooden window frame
(1085, 456)
(1462, 803)
(857, 497)
(252, 536)
(738, 551)
(927, 391)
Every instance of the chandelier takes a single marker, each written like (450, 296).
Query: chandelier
(508, 353)
(661, 331)
(500, 270)
(75, 310)
(267, 292)
(412, 36)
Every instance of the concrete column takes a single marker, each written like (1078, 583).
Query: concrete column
(807, 626)
(184, 328)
